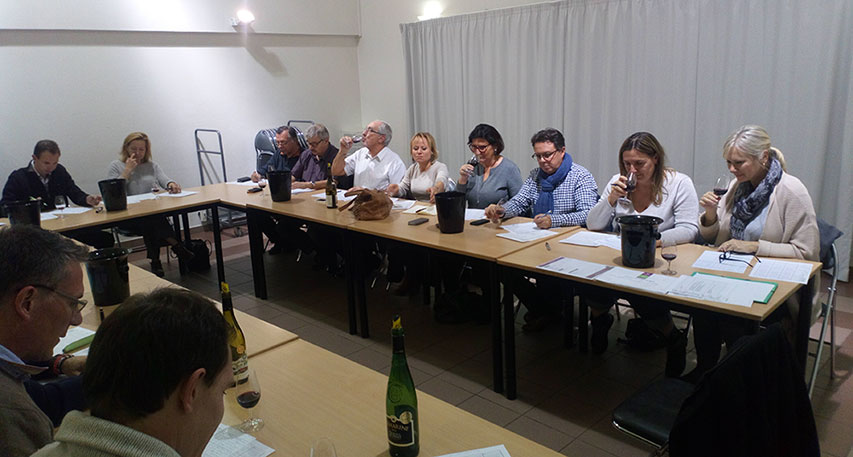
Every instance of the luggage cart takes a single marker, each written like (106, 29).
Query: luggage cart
(227, 218)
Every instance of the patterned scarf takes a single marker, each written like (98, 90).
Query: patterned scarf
(749, 202)
(547, 184)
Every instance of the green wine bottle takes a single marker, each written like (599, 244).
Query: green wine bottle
(401, 401)
(236, 340)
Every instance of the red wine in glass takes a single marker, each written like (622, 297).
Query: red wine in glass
(669, 253)
(720, 191)
(249, 399)
(631, 182)
(721, 186)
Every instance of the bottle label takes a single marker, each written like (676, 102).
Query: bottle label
(401, 430)
(240, 365)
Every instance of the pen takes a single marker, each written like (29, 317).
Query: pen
(82, 342)
(547, 246)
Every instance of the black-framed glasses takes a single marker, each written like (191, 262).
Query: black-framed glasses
(314, 144)
(729, 255)
(76, 303)
(546, 156)
(478, 148)
(371, 130)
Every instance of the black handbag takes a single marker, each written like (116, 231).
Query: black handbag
(201, 251)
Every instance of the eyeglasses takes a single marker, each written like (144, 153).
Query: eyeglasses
(546, 156)
(370, 130)
(478, 148)
(730, 255)
(76, 303)
(314, 144)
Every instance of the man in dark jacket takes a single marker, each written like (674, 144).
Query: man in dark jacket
(45, 178)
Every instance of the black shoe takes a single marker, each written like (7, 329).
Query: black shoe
(157, 268)
(600, 327)
(184, 254)
(275, 249)
(676, 353)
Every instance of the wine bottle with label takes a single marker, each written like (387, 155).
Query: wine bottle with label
(401, 401)
(236, 340)
(331, 190)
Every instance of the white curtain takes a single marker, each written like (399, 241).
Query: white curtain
(689, 71)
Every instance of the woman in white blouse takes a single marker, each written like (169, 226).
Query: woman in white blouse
(662, 192)
(426, 176)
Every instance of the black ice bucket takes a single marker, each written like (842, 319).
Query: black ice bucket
(450, 207)
(108, 276)
(279, 182)
(24, 212)
(114, 193)
(639, 235)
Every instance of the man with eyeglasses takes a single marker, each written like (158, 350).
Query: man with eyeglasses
(287, 142)
(314, 164)
(41, 285)
(374, 166)
(560, 194)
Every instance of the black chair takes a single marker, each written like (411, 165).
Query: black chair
(753, 403)
(829, 258)
(264, 147)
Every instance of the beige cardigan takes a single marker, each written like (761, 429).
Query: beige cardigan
(790, 229)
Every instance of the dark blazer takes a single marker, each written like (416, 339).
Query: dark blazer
(24, 183)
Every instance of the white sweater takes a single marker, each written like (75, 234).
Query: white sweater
(679, 210)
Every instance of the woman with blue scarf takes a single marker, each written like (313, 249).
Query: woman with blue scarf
(765, 212)
(560, 193)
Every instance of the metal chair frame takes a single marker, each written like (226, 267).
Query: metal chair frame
(828, 314)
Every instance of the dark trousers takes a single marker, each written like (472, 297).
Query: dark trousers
(154, 231)
(544, 297)
(98, 239)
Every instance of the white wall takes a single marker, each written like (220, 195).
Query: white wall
(87, 89)
(380, 58)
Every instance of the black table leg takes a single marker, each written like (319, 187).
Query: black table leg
(583, 322)
(217, 244)
(349, 272)
(256, 249)
(507, 352)
(185, 217)
(176, 225)
(568, 316)
(801, 345)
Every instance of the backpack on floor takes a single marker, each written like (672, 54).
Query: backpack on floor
(640, 336)
(201, 250)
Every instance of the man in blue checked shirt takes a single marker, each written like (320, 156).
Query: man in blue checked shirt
(560, 193)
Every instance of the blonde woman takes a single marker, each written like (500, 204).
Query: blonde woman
(142, 176)
(426, 176)
(766, 212)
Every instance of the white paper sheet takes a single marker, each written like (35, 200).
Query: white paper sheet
(780, 270)
(248, 183)
(524, 232)
(493, 451)
(73, 334)
(574, 267)
(299, 191)
(131, 199)
(402, 203)
(474, 213)
(635, 279)
(230, 442)
(595, 239)
(47, 216)
(341, 198)
(724, 290)
(183, 193)
(416, 209)
(70, 210)
(710, 260)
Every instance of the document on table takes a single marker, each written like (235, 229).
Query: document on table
(248, 183)
(402, 203)
(594, 239)
(635, 279)
(780, 270)
(733, 291)
(131, 199)
(524, 232)
(47, 216)
(230, 442)
(183, 193)
(73, 334)
(710, 260)
(574, 267)
(299, 191)
(70, 210)
(474, 213)
(341, 198)
(493, 451)
(417, 208)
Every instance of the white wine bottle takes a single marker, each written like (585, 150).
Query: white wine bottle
(331, 190)
(236, 340)
(401, 401)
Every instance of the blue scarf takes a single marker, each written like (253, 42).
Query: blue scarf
(547, 184)
(749, 202)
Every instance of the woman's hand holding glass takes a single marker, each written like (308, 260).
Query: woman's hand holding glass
(174, 188)
(618, 189)
(709, 202)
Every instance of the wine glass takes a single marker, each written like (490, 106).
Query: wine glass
(473, 161)
(155, 188)
(630, 185)
(262, 183)
(669, 253)
(721, 185)
(248, 395)
(323, 447)
(60, 202)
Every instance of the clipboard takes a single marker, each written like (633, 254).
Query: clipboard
(764, 300)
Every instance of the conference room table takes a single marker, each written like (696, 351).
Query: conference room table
(309, 393)
(529, 258)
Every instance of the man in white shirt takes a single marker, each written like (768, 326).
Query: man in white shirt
(374, 166)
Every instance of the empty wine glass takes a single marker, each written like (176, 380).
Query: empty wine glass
(60, 202)
(323, 447)
(630, 185)
(248, 395)
(721, 185)
(669, 253)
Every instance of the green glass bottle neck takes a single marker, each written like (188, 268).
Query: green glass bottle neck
(397, 343)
